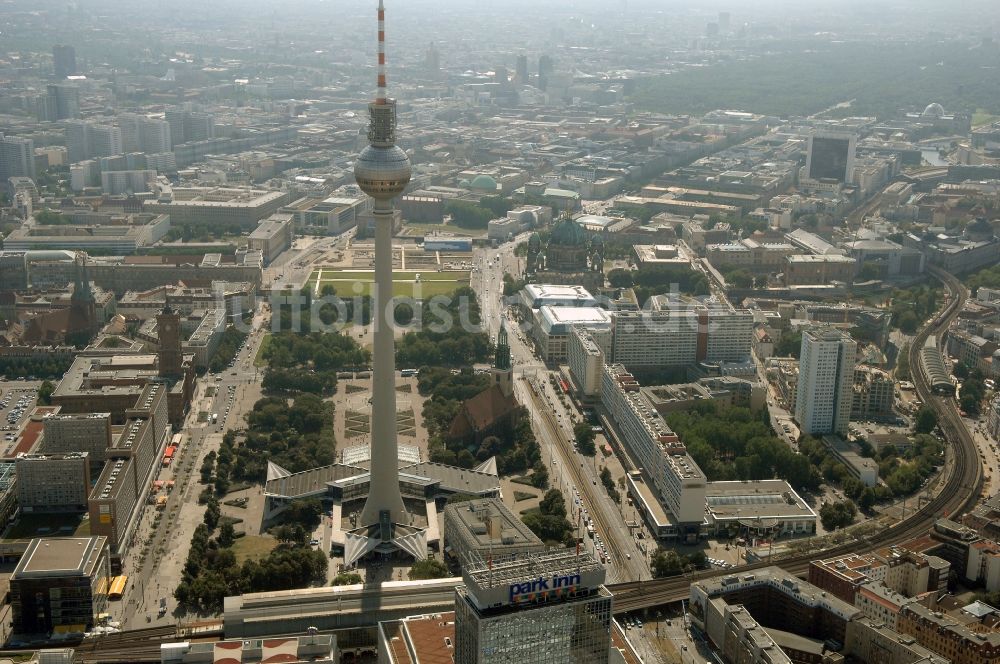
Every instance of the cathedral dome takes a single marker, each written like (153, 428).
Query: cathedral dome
(484, 182)
(568, 233)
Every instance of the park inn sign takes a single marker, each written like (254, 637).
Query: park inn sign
(544, 588)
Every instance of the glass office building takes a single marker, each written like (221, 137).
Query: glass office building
(539, 608)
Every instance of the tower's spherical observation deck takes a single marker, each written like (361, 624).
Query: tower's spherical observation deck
(382, 172)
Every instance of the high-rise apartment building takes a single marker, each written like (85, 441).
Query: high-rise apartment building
(63, 102)
(17, 157)
(154, 136)
(52, 482)
(539, 608)
(680, 332)
(826, 379)
(85, 432)
(63, 61)
(546, 67)
(677, 481)
(521, 70)
(104, 141)
(86, 140)
(830, 156)
(187, 126)
(144, 134)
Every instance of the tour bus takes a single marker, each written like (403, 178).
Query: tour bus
(406, 373)
(118, 584)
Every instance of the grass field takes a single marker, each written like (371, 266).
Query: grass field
(403, 282)
(253, 547)
(258, 360)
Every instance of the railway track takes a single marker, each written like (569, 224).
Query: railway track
(137, 645)
(960, 492)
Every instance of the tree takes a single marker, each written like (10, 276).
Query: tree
(428, 568)
(585, 436)
(789, 345)
(305, 513)
(698, 560)
(620, 278)
(969, 403)
(666, 562)
(867, 499)
(903, 363)
(552, 503)
(740, 278)
(961, 370)
(837, 515)
(212, 513)
(467, 214)
(227, 534)
(925, 420)
(346, 579)
(49, 217)
(540, 476)
(290, 533)
(45, 393)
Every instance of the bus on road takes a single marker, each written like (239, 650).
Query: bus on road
(118, 584)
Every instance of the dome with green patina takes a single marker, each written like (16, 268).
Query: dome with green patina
(568, 233)
(484, 182)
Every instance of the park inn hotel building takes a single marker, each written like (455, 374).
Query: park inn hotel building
(533, 608)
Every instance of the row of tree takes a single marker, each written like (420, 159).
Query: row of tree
(229, 346)
(450, 335)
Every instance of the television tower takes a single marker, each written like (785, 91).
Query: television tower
(382, 171)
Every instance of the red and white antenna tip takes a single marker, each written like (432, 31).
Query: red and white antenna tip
(380, 97)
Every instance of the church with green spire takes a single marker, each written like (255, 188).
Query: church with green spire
(494, 411)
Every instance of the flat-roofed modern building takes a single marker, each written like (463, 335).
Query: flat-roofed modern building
(553, 325)
(761, 508)
(534, 296)
(585, 354)
(83, 432)
(677, 482)
(288, 650)
(826, 378)
(272, 236)
(414, 638)
(60, 583)
(52, 482)
(218, 207)
(113, 502)
(680, 331)
(484, 527)
(537, 608)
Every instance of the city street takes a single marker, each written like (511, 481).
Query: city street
(568, 469)
(166, 542)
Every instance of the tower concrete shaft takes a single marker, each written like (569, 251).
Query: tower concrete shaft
(384, 494)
